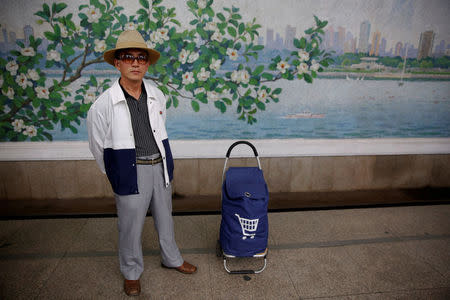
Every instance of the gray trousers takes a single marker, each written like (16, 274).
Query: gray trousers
(132, 210)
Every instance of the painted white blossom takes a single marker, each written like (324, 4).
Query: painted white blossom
(282, 66)
(193, 57)
(262, 95)
(89, 97)
(93, 14)
(64, 32)
(60, 108)
(150, 44)
(100, 45)
(42, 92)
(155, 37)
(217, 36)
(212, 95)
(182, 57)
(314, 66)
(203, 75)
(30, 131)
(188, 78)
(302, 68)
(33, 74)
(199, 90)
(211, 26)
(235, 76)
(53, 55)
(226, 94)
(240, 76)
(215, 64)
(245, 77)
(232, 54)
(12, 67)
(130, 26)
(163, 34)
(28, 51)
(22, 81)
(201, 4)
(303, 55)
(314, 44)
(18, 125)
(9, 93)
(77, 29)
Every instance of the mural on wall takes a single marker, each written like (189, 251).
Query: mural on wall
(297, 69)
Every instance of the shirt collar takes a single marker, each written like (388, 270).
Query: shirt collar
(127, 95)
(118, 94)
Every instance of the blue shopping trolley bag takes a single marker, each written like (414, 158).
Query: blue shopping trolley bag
(244, 227)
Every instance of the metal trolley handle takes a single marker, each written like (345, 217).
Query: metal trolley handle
(231, 148)
(242, 142)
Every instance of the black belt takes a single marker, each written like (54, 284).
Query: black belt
(149, 161)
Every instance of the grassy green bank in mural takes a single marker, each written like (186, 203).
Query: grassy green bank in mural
(209, 63)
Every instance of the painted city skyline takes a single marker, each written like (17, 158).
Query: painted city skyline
(339, 40)
(343, 41)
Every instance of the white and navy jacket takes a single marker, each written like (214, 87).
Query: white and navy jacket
(111, 138)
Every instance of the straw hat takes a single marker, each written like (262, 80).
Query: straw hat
(131, 39)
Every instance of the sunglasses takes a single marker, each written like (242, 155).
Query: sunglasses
(129, 58)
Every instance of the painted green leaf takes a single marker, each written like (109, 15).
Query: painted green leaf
(195, 105)
(220, 105)
(261, 105)
(50, 36)
(144, 3)
(267, 76)
(68, 50)
(43, 15)
(164, 89)
(209, 11)
(241, 28)
(46, 9)
(277, 91)
(175, 101)
(258, 70)
(59, 7)
(221, 17)
(307, 78)
(231, 31)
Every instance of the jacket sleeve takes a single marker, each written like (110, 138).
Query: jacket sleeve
(97, 127)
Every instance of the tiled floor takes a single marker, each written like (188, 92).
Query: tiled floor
(367, 253)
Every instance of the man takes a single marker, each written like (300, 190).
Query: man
(128, 139)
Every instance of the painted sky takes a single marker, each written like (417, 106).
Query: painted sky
(397, 20)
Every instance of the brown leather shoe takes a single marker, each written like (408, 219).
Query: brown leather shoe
(185, 268)
(132, 287)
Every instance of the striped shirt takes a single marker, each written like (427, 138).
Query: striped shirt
(143, 134)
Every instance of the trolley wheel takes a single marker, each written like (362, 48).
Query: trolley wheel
(219, 252)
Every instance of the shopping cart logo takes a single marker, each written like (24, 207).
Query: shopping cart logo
(248, 226)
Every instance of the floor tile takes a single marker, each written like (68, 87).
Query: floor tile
(323, 272)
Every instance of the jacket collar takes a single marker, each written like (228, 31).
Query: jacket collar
(117, 94)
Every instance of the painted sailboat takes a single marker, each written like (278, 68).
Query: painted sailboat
(403, 69)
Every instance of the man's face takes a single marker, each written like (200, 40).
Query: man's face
(132, 65)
